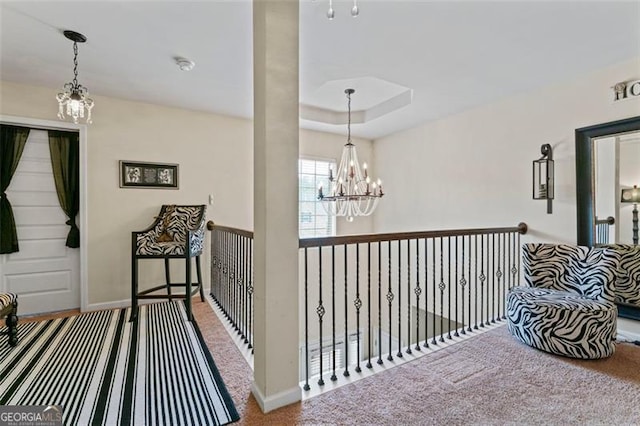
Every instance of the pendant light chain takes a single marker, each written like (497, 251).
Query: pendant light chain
(349, 117)
(75, 64)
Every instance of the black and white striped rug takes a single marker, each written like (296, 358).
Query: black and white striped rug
(105, 370)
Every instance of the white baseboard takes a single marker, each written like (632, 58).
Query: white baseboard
(278, 400)
(628, 330)
(121, 304)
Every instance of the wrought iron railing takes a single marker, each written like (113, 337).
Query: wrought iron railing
(371, 298)
(232, 277)
(603, 226)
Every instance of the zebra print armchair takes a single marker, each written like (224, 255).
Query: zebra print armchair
(568, 305)
(177, 233)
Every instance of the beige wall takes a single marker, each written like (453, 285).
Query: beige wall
(474, 169)
(215, 154)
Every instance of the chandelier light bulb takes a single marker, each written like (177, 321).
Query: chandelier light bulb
(354, 10)
(331, 13)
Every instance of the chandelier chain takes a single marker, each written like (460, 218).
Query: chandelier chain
(75, 64)
(349, 117)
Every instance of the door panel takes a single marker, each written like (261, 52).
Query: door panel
(44, 273)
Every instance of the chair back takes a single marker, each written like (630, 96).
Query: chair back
(627, 259)
(581, 270)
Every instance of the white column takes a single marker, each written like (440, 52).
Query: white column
(275, 86)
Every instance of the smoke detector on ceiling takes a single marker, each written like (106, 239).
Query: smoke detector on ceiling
(185, 64)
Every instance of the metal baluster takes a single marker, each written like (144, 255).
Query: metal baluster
(475, 281)
(408, 350)
(346, 317)
(418, 291)
(496, 276)
(320, 311)
(251, 295)
(399, 354)
(369, 334)
(482, 277)
(389, 296)
(379, 302)
(426, 295)
(433, 265)
(469, 275)
(505, 274)
(455, 283)
(237, 281)
(333, 309)
(243, 288)
(449, 287)
(230, 277)
(225, 275)
(441, 286)
(214, 261)
(247, 282)
(513, 261)
(306, 321)
(463, 283)
(519, 259)
(358, 304)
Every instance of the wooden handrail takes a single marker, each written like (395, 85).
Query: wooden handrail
(610, 220)
(242, 232)
(392, 236)
(370, 238)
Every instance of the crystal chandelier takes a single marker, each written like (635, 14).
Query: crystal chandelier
(331, 13)
(352, 192)
(74, 100)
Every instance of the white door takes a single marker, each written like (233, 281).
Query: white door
(44, 273)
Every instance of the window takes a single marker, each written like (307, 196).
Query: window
(313, 221)
(327, 355)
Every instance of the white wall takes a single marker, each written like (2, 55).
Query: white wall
(629, 176)
(215, 154)
(474, 169)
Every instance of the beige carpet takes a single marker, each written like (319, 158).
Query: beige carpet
(490, 379)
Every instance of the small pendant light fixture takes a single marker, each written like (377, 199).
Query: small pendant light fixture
(331, 13)
(74, 99)
(351, 192)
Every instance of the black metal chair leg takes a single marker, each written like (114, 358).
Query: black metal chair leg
(188, 288)
(199, 272)
(134, 288)
(12, 325)
(167, 275)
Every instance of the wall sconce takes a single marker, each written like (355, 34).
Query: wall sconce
(543, 177)
(632, 195)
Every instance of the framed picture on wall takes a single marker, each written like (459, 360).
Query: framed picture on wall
(135, 174)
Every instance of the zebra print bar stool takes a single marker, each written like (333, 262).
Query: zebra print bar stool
(177, 233)
(568, 307)
(9, 309)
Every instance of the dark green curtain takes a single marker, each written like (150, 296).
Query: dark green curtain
(65, 159)
(12, 140)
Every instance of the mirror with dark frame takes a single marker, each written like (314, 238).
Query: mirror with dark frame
(607, 164)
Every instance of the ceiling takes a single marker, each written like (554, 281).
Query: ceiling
(453, 55)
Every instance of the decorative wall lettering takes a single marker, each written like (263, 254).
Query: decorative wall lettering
(626, 90)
